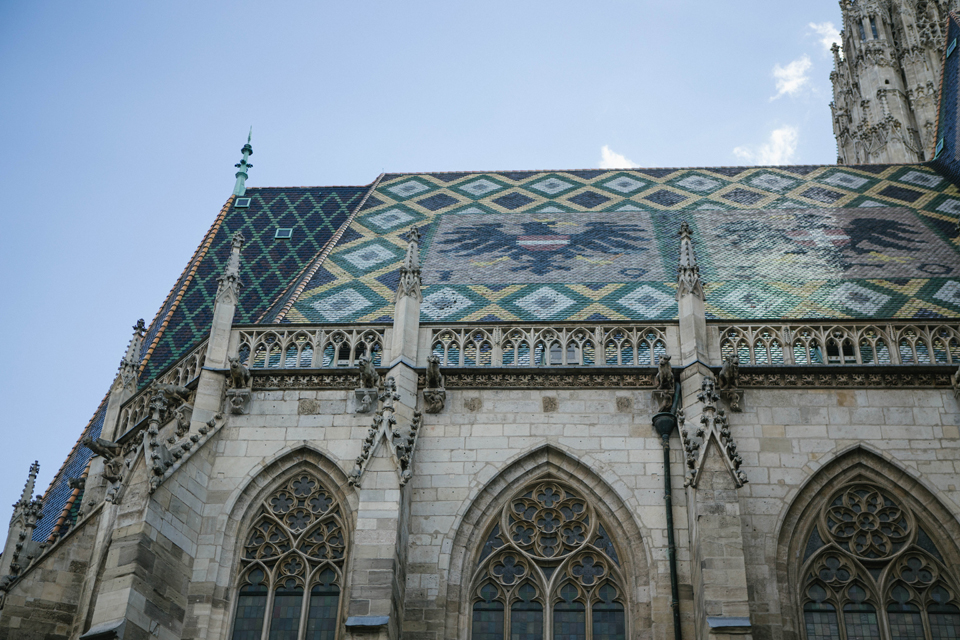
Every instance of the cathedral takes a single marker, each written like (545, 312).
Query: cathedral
(715, 403)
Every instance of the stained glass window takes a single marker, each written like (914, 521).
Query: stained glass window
(251, 606)
(820, 620)
(569, 616)
(609, 622)
(296, 539)
(488, 615)
(548, 570)
(526, 615)
(324, 602)
(869, 559)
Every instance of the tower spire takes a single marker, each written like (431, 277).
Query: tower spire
(31, 481)
(241, 186)
(688, 273)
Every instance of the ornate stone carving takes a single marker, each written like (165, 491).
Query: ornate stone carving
(383, 430)
(665, 385)
(409, 284)
(713, 426)
(434, 395)
(955, 383)
(729, 379)
(130, 365)
(366, 393)
(239, 383)
(229, 282)
(112, 454)
(688, 273)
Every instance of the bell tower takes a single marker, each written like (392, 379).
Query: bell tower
(886, 78)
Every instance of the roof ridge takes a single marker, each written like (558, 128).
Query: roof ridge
(654, 168)
(192, 267)
(56, 476)
(321, 258)
(314, 186)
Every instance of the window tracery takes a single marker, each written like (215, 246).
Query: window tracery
(870, 572)
(291, 565)
(548, 569)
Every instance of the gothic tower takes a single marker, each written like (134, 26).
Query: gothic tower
(885, 85)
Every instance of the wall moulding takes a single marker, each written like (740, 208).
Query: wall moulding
(910, 376)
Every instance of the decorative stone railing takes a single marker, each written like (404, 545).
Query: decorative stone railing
(534, 346)
(310, 348)
(181, 374)
(832, 344)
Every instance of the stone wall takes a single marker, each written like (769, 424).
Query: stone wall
(43, 604)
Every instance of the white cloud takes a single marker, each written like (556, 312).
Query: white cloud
(610, 159)
(778, 149)
(793, 77)
(827, 33)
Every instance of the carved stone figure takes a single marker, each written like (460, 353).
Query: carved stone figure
(665, 384)
(369, 378)
(434, 377)
(729, 380)
(434, 395)
(112, 454)
(239, 374)
(173, 394)
(664, 380)
(729, 377)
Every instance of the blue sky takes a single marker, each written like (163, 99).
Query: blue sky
(120, 124)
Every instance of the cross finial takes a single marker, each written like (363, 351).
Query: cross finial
(240, 187)
(140, 327)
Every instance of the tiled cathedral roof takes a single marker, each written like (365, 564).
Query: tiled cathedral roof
(873, 241)
(313, 213)
(270, 264)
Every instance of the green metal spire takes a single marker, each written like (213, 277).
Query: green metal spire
(241, 187)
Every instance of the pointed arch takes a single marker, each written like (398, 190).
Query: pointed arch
(243, 509)
(815, 557)
(546, 464)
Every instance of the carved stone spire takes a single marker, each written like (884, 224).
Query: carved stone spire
(130, 365)
(230, 280)
(241, 186)
(27, 494)
(410, 271)
(688, 273)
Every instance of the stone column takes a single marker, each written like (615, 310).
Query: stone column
(18, 525)
(713, 507)
(125, 384)
(209, 398)
(378, 570)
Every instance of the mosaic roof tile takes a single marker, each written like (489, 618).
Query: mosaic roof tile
(269, 267)
(773, 242)
(59, 490)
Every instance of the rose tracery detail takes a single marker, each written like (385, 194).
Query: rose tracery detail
(548, 522)
(547, 558)
(867, 522)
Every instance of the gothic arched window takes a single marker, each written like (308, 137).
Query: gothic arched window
(548, 569)
(291, 567)
(870, 571)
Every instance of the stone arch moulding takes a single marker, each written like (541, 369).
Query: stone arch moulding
(856, 464)
(240, 510)
(546, 461)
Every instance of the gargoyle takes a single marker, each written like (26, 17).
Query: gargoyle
(173, 393)
(369, 378)
(664, 380)
(112, 454)
(239, 374)
(665, 383)
(434, 377)
(729, 377)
